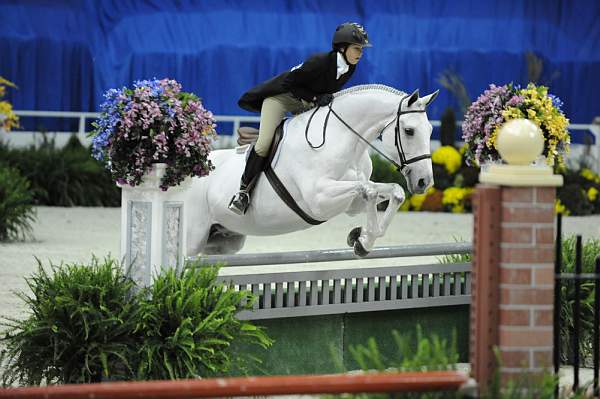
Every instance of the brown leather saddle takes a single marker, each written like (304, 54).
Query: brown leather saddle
(249, 135)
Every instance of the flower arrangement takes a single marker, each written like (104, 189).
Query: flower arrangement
(153, 122)
(580, 194)
(8, 119)
(499, 104)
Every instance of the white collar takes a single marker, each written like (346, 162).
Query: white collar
(342, 65)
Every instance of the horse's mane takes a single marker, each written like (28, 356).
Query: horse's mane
(379, 87)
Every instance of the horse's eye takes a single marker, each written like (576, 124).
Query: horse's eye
(409, 131)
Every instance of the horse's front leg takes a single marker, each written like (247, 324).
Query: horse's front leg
(332, 197)
(377, 225)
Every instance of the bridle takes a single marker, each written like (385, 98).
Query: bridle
(398, 139)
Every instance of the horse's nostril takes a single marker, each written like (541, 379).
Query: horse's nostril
(421, 183)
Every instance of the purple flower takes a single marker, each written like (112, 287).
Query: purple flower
(154, 121)
(483, 116)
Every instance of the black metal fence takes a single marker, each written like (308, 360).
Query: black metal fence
(576, 278)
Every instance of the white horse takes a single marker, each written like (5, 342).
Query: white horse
(324, 182)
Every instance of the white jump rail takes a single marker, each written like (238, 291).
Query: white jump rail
(358, 289)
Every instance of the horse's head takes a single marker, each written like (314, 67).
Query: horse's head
(407, 141)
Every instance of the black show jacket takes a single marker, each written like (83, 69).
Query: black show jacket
(316, 76)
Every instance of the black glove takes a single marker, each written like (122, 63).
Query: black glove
(324, 99)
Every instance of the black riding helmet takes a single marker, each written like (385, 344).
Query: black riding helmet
(350, 33)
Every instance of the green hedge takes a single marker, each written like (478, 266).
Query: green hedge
(16, 205)
(67, 176)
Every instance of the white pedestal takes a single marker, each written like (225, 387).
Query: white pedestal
(153, 226)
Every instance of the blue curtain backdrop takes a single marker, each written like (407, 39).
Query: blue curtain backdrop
(64, 54)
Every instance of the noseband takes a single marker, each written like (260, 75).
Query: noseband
(398, 139)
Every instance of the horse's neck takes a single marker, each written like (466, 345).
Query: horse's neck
(367, 114)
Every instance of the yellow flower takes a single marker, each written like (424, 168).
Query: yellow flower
(455, 197)
(559, 207)
(8, 119)
(416, 200)
(592, 194)
(449, 157)
(588, 174)
(540, 110)
(405, 207)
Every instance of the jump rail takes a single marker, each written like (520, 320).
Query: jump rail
(251, 386)
(334, 255)
(351, 289)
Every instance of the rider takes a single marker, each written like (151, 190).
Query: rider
(304, 86)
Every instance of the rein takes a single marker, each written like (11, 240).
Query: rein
(398, 140)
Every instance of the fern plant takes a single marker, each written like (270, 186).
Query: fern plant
(188, 322)
(78, 329)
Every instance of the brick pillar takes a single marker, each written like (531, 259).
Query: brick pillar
(513, 281)
(525, 273)
(485, 285)
(526, 278)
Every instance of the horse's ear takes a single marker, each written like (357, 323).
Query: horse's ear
(429, 99)
(413, 98)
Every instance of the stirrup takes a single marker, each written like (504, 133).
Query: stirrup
(239, 202)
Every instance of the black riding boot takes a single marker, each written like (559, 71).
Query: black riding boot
(241, 200)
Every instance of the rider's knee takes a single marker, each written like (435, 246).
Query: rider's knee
(261, 150)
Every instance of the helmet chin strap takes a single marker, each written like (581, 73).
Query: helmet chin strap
(344, 55)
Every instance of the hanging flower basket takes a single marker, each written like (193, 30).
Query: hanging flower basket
(499, 104)
(154, 122)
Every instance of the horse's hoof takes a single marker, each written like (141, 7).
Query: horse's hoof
(353, 236)
(359, 249)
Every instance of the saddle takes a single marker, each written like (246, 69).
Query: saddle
(248, 136)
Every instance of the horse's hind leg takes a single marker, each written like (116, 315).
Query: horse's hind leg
(197, 237)
(222, 241)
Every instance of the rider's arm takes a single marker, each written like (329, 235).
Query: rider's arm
(299, 78)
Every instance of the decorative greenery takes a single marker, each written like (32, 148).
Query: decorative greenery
(527, 386)
(188, 322)
(153, 122)
(16, 205)
(418, 353)
(590, 251)
(499, 104)
(65, 176)
(79, 328)
(90, 322)
(431, 353)
(8, 119)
